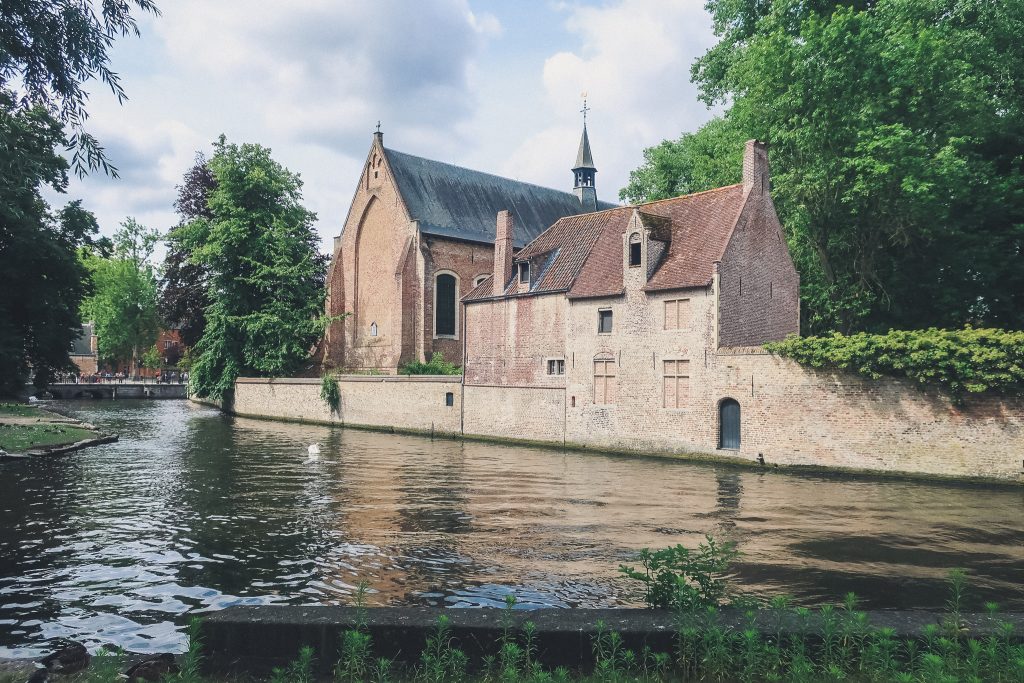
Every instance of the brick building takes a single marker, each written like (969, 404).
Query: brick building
(418, 237)
(626, 310)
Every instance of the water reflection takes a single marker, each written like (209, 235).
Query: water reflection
(193, 511)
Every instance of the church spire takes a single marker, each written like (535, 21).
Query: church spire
(584, 170)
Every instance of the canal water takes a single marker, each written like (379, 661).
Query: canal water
(193, 511)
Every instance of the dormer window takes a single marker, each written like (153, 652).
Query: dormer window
(634, 250)
(524, 273)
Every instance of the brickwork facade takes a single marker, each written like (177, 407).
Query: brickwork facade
(382, 275)
(638, 330)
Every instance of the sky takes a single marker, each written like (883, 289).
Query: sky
(492, 85)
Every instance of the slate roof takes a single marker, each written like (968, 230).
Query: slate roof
(584, 158)
(451, 201)
(587, 248)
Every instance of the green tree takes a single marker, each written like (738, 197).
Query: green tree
(49, 49)
(896, 130)
(183, 282)
(709, 158)
(266, 275)
(41, 279)
(123, 304)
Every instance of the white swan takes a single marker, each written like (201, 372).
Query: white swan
(314, 453)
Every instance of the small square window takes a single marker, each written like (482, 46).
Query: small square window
(449, 399)
(556, 366)
(604, 322)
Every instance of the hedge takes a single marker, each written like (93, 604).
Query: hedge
(961, 362)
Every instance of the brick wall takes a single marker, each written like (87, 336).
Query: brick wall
(760, 288)
(511, 339)
(369, 272)
(516, 413)
(790, 415)
(468, 261)
(413, 403)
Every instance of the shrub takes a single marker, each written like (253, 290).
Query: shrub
(437, 366)
(329, 392)
(680, 578)
(957, 361)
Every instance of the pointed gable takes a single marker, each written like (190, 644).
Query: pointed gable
(456, 202)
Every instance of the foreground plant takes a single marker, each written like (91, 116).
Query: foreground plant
(679, 578)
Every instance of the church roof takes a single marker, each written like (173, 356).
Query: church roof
(582, 254)
(584, 158)
(451, 201)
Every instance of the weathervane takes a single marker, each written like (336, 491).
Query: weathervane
(585, 107)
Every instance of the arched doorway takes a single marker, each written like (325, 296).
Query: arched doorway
(729, 424)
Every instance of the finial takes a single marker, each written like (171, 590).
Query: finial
(378, 125)
(585, 107)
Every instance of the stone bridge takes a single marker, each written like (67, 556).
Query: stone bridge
(116, 390)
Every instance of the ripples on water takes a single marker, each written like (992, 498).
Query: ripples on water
(193, 511)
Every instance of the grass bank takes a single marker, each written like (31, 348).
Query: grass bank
(24, 428)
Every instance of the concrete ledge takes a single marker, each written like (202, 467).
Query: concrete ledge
(253, 640)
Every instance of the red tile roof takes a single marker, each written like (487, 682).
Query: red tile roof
(587, 248)
(702, 224)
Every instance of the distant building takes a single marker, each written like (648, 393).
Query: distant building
(418, 237)
(84, 350)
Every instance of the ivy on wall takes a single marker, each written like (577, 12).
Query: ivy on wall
(967, 361)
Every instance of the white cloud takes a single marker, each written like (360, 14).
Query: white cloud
(308, 78)
(633, 59)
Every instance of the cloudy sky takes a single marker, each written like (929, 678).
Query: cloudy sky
(488, 84)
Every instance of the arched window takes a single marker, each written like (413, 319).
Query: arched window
(729, 424)
(373, 329)
(446, 288)
(480, 278)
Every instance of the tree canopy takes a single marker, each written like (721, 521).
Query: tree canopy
(48, 50)
(41, 278)
(896, 135)
(183, 298)
(266, 275)
(123, 303)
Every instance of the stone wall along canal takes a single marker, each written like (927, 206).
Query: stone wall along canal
(192, 511)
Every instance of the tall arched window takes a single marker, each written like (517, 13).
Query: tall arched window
(446, 288)
(729, 424)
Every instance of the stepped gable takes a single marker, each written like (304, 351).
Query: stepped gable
(451, 201)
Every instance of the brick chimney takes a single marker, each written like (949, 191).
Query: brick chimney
(755, 167)
(502, 253)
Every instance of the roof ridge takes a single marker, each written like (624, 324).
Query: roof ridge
(687, 196)
(473, 170)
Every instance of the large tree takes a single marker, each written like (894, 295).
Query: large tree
(266, 274)
(123, 304)
(897, 142)
(48, 50)
(42, 282)
(183, 285)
